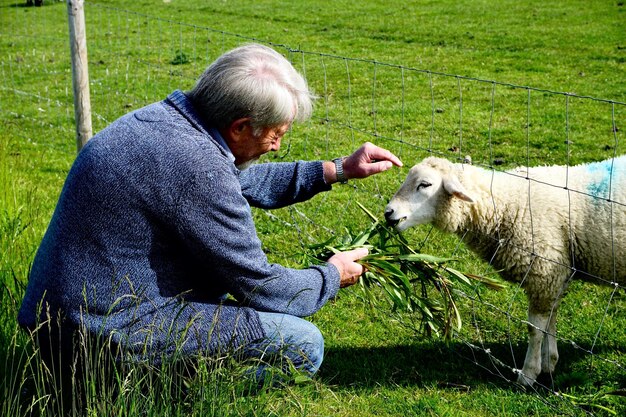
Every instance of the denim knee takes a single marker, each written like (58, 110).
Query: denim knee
(312, 345)
(298, 340)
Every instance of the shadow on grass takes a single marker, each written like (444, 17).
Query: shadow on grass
(415, 364)
(457, 366)
(33, 3)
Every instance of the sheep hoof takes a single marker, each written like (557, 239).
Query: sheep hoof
(524, 380)
(548, 363)
(549, 368)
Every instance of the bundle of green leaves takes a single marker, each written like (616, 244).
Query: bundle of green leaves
(424, 285)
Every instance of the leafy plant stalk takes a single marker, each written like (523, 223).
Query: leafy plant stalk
(416, 283)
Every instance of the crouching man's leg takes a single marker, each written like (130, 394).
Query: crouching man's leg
(289, 341)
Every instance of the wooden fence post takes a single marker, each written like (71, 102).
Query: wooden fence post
(80, 72)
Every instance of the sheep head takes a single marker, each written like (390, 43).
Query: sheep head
(419, 198)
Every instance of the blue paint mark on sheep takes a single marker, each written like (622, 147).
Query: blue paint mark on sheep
(606, 175)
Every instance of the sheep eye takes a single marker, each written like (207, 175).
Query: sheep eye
(423, 184)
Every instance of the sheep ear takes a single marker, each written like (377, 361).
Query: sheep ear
(454, 187)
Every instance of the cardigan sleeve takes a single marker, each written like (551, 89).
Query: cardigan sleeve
(216, 225)
(275, 185)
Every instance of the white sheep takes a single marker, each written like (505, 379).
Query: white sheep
(539, 226)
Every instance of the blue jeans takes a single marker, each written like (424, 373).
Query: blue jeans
(291, 338)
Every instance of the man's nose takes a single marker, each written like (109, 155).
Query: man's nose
(275, 145)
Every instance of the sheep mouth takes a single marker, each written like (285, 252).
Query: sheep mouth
(396, 223)
(394, 219)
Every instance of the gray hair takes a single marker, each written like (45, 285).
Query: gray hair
(252, 81)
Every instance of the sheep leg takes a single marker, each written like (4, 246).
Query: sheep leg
(538, 323)
(549, 351)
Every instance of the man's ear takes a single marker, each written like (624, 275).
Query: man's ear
(238, 128)
(454, 187)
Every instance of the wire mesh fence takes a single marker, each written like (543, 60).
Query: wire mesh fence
(136, 59)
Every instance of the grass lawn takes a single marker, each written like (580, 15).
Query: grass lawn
(507, 82)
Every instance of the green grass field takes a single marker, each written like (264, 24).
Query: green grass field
(417, 77)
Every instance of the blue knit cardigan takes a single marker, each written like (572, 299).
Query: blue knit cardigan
(153, 229)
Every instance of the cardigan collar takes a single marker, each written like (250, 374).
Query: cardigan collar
(181, 102)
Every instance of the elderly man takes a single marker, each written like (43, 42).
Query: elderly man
(152, 245)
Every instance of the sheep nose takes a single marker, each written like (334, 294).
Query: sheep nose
(388, 219)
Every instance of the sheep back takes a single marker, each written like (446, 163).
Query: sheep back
(544, 221)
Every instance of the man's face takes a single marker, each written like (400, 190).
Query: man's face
(247, 148)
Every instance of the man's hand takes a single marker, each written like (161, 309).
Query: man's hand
(368, 160)
(349, 270)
